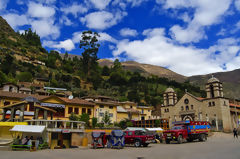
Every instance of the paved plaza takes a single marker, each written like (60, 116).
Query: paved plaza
(218, 146)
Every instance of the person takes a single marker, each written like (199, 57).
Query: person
(25, 140)
(235, 133)
(29, 143)
(17, 141)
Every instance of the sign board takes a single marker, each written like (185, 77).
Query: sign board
(52, 105)
(65, 131)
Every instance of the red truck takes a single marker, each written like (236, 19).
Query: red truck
(187, 130)
(138, 138)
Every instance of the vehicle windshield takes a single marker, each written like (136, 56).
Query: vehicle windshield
(177, 127)
(117, 132)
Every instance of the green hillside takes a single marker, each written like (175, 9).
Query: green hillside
(22, 58)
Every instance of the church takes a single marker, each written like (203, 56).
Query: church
(222, 113)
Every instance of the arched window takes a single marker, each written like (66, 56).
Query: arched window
(187, 108)
(213, 103)
(191, 106)
(209, 104)
(167, 99)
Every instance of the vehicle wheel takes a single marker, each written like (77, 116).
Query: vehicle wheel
(167, 141)
(189, 140)
(180, 139)
(145, 145)
(202, 137)
(137, 143)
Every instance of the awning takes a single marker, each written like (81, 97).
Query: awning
(28, 128)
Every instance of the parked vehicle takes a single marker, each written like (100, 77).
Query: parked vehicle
(138, 138)
(187, 130)
(116, 139)
(99, 139)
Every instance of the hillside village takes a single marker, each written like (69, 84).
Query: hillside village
(67, 94)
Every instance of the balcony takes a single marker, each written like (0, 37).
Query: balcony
(59, 125)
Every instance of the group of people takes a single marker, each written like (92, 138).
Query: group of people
(27, 141)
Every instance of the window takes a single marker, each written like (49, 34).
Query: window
(101, 106)
(182, 108)
(148, 110)
(142, 111)
(209, 104)
(83, 110)
(101, 114)
(110, 107)
(186, 101)
(111, 114)
(142, 118)
(213, 103)
(187, 108)
(31, 107)
(130, 133)
(70, 110)
(191, 106)
(131, 106)
(89, 111)
(76, 110)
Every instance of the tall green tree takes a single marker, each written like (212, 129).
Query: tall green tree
(89, 44)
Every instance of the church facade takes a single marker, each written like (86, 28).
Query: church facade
(215, 108)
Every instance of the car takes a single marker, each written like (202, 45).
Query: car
(138, 138)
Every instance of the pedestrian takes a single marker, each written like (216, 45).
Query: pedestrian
(235, 133)
(25, 140)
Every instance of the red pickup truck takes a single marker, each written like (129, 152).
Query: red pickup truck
(138, 138)
(187, 130)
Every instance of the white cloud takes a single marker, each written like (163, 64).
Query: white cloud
(46, 28)
(74, 9)
(16, 20)
(39, 11)
(100, 4)
(3, 4)
(67, 45)
(128, 32)
(76, 37)
(237, 4)
(65, 20)
(47, 1)
(206, 13)
(102, 19)
(157, 49)
(106, 37)
(123, 3)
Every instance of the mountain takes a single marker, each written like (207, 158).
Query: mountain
(230, 80)
(146, 69)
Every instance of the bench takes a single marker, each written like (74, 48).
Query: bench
(21, 147)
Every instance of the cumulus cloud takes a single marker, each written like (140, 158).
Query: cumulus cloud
(39, 11)
(157, 49)
(102, 20)
(46, 28)
(128, 32)
(3, 4)
(237, 4)
(67, 45)
(206, 13)
(16, 20)
(123, 3)
(65, 20)
(106, 37)
(74, 9)
(100, 4)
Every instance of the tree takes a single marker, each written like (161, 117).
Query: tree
(106, 118)
(94, 122)
(89, 44)
(3, 78)
(105, 71)
(24, 77)
(85, 118)
(73, 117)
(157, 123)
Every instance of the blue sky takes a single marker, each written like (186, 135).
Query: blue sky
(190, 37)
